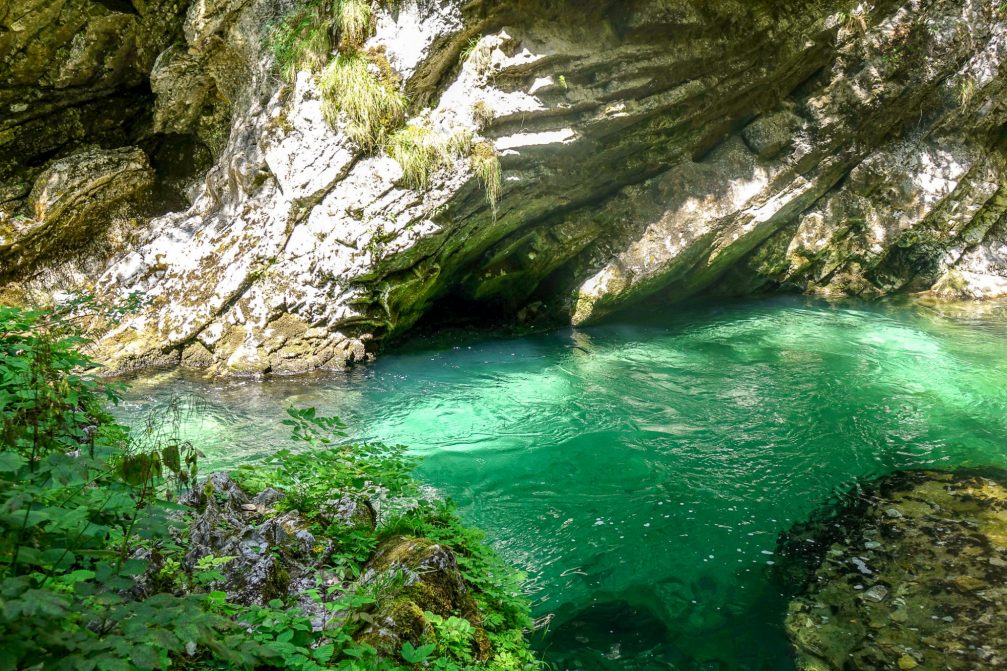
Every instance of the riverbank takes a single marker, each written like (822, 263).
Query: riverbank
(116, 553)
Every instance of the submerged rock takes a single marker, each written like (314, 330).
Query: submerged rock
(910, 574)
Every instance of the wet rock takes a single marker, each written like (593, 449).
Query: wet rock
(73, 77)
(936, 595)
(876, 593)
(267, 497)
(269, 551)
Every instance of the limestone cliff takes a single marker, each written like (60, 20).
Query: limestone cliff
(651, 148)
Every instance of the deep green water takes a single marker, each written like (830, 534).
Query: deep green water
(640, 472)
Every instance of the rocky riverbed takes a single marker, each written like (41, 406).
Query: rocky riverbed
(910, 574)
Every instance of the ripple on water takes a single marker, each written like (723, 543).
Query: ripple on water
(641, 472)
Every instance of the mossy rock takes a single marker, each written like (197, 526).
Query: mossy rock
(416, 576)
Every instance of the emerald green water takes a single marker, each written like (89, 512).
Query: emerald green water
(640, 472)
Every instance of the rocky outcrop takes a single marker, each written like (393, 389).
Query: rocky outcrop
(252, 549)
(75, 110)
(70, 199)
(647, 149)
(910, 575)
(425, 581)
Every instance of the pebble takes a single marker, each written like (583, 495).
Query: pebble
(906, 662)
(876, 593)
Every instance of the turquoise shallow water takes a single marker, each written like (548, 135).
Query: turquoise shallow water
(640, 472)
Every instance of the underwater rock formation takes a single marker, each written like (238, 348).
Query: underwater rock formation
(909, 575)
(588, 156)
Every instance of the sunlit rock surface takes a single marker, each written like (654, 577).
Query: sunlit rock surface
(912, 574)
(648, 148)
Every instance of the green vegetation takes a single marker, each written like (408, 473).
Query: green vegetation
(482, 113)
(372, 104)
(77, 495)
(353, 22)
(422, 151)
(966, 91)
(85, 507)
(359, 85)
(486, 165)
(361, 90)
(303, 40)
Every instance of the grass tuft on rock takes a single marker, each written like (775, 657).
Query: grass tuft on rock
(302, 42)
(352, 86)
(486, 165)
(422, 151)
(354, 22)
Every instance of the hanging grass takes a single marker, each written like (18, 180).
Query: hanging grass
(351, 88)
(422, 151)
(486, 165)
(354, 23)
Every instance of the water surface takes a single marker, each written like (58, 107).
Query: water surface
(640, 472)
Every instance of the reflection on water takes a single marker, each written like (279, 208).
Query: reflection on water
(640, 472)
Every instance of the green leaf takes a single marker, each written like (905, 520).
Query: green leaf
(171, 458)
(416, 655)
(324, 653)
(11, 462)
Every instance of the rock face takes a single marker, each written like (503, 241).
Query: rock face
(81, 163)
(910, 576)
(653, 148)
(69, 201)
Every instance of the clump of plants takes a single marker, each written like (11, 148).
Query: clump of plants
(422, 151)
(966, 91)
(354, 84)
(77, 496)
(303, 41)
(372, 105)
(486, 165)
(362, 95)
(84, 502)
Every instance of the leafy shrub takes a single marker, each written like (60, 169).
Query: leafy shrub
(83, 502)
(76, 498)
